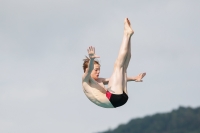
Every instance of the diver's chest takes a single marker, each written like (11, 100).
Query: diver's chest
(96, 84)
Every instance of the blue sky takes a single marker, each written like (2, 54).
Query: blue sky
(42, 44)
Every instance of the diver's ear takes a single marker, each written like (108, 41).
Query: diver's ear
(86, 69)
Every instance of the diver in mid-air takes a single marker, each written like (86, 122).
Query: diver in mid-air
(116, 94)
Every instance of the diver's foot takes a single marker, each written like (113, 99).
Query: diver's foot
(139, 77)
(127, 27)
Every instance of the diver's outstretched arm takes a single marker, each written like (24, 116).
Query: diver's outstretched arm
(92, 55)
(136, 78)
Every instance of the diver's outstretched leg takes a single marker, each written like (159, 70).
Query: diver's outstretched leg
(117, 81)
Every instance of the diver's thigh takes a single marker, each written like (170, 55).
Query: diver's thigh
(116, 83)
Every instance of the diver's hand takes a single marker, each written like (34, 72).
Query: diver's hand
(91, 53)
(139, 77)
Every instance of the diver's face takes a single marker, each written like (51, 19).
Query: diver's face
(95, 72)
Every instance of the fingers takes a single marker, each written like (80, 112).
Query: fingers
(92, 49)
(96, 56)
(91, 52)
(140, 76)
(143, 74)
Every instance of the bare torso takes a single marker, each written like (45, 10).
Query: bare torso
(96, 92)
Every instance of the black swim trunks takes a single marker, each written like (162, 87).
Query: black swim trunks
(117, 99)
